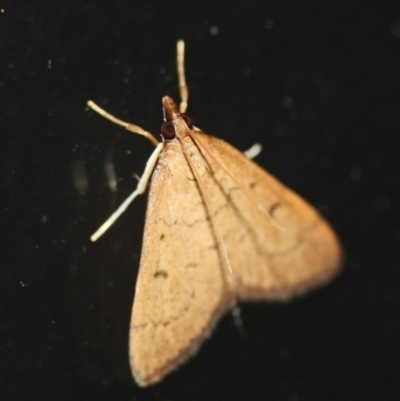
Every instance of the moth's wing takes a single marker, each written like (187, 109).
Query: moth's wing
(180, 292)
(269, 261)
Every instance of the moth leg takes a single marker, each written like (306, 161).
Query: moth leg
(254, 151)
(140, 189)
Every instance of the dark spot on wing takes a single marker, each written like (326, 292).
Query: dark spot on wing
(191, 265)
(273, 208)
(252, 185)
(162, 236)
(160, 274)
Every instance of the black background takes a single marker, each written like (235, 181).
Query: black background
(317, 83)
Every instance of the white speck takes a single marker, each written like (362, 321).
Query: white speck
(287, 101)
(323, 209)
(110, 174)
(395, 30)
(284, 352)
(44, 219)
(246, 71)
(49, 63)
(294, 397)
(213, 30)
(269, 24)
(381, 203)
(356, 173)
(22, 284)
(79, 176)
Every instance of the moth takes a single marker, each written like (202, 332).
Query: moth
(219, 229)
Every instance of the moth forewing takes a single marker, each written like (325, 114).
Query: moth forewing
(268, 262)
(180, 292)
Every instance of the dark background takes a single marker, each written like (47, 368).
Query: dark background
(316, 82)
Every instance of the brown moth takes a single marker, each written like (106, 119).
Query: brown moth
(219, 229)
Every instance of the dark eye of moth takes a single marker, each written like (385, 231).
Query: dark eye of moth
(168, 130)
(188, 120)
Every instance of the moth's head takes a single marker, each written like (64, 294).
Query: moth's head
(176, 124)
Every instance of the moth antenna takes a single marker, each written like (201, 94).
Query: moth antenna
(130, 127)
(183, 88)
